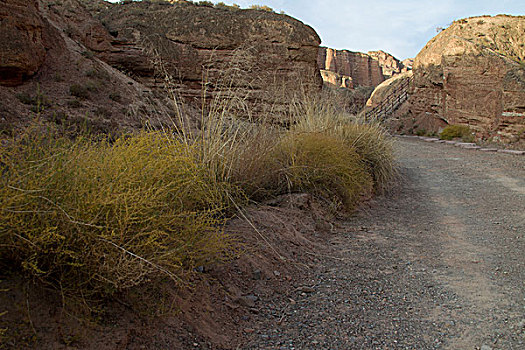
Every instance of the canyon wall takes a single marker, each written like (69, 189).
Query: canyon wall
(348, 69)
(121, 64)
(473, 73)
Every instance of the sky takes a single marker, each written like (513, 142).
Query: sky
(400, 27)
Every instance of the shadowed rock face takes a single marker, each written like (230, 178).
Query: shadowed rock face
(473, 73)
(22, 48)
(245, 51)
(109, 64)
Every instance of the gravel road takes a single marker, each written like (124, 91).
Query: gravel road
(437, 264)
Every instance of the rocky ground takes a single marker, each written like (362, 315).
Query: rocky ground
(437, 264)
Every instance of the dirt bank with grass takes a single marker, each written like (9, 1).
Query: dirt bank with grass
(435, 264)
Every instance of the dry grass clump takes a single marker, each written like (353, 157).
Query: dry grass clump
(376, 149)
(368, 139)
(323, 165)
(94, 218)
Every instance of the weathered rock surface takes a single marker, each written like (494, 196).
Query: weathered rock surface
(362, 68)
(22, 47)
(239, 53)
(107, 65)
(390, 66)
(473, 73)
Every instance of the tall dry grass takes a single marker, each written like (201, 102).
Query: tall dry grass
(369, 139)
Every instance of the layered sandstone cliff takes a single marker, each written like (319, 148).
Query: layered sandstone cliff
(343, 68)
(473, 73)
(246, 54)
(73, 61)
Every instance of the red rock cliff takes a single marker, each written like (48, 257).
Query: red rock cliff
(249, 52)
(360, 67)
(22, 47)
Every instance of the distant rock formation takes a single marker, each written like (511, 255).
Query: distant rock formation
(390, 66)
(473, 73)
(343, 68)
(360, 67)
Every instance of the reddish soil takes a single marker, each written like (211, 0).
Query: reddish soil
(215, 310)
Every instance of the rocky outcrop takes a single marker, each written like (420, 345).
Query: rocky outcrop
(390, 66)
(362, 68)
(408, 63)
(118, 66)
(22, 47)
(473, 73)
(249, 54)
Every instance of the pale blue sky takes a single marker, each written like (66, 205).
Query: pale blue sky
(400, 27)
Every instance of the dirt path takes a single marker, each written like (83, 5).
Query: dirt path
(438, 264)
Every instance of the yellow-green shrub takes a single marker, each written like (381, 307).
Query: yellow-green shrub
(462, 132)
(323, 165)
(91, 218)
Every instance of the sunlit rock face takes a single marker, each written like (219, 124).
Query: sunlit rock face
(473, 73)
